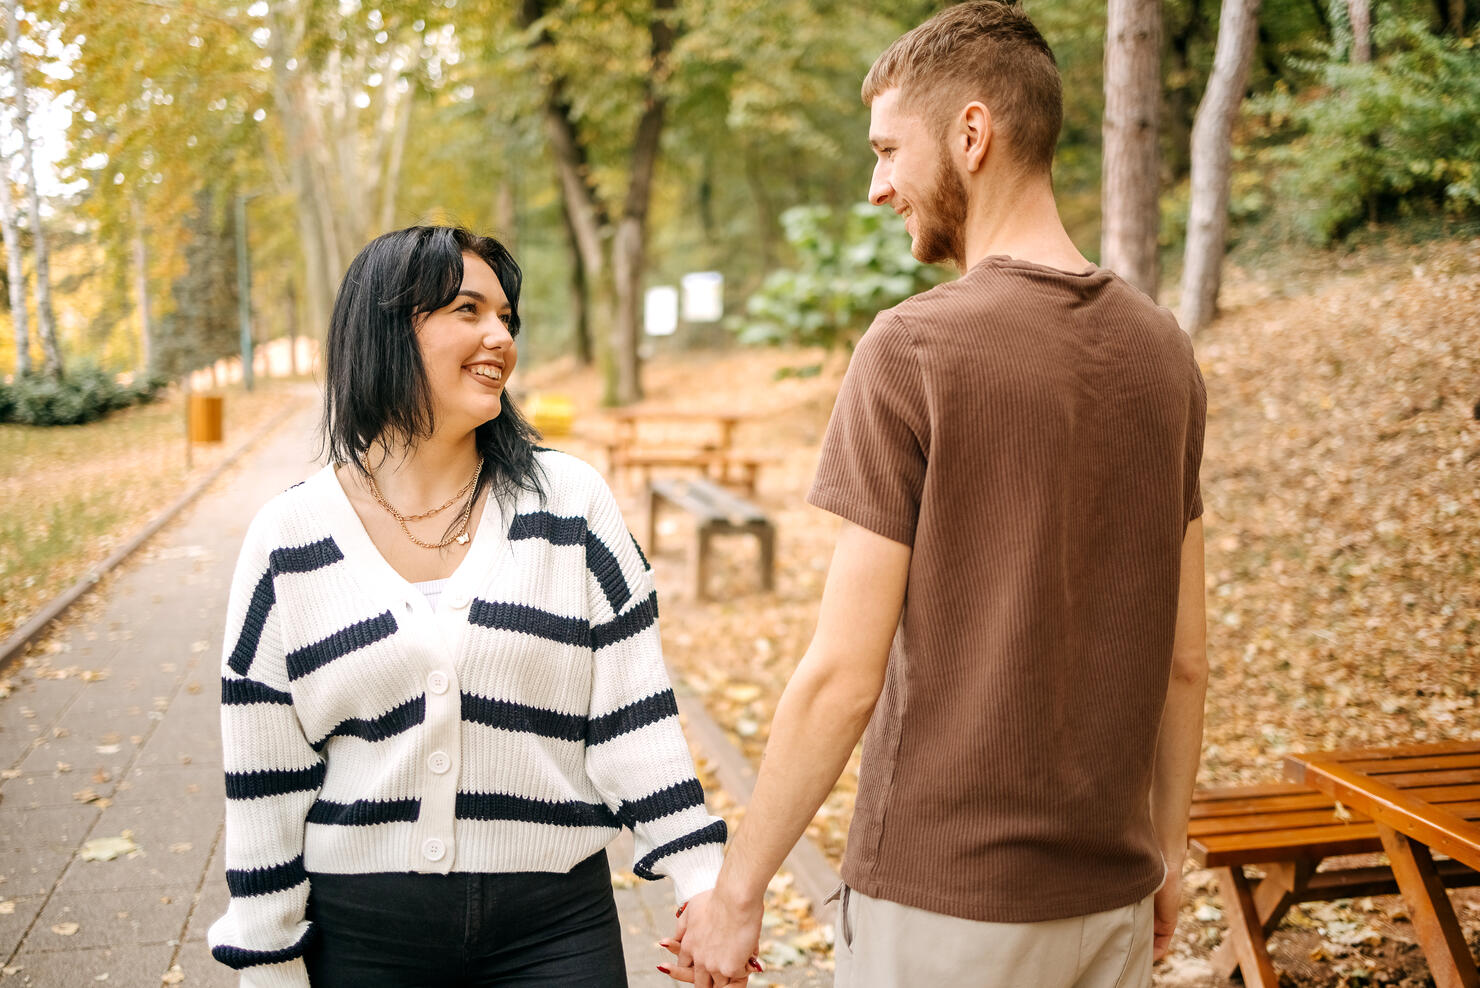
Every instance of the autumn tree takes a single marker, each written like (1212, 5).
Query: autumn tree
(1131, 176)
(20, 95)
(1212, 158)
(16, 273)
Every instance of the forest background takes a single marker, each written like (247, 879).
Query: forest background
(617, 144)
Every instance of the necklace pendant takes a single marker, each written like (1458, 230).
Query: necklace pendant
(462, 539)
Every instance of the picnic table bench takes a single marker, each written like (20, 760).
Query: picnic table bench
(716, 511)
(1288, 829)
(648, 438)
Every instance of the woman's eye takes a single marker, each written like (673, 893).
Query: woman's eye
(468, 307)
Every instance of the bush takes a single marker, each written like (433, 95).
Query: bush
(83, 394)
(846, 272)
(1393, 136)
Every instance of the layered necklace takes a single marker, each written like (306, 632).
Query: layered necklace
(459, 531)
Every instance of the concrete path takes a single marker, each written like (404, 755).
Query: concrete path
(123, 711)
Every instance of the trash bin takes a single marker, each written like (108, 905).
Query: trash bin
(206, 415)
(552, 415)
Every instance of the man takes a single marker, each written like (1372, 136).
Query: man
(1016, 597)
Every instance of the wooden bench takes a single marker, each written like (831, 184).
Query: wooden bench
(1287, 830)
(716, 512)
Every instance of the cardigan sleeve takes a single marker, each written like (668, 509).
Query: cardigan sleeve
(635, 751)
(273, 776)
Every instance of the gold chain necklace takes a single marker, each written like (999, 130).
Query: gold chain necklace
(460, 535)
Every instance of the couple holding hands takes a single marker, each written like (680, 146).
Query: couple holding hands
(443, 692)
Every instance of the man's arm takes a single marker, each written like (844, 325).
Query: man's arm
(1179, 744)
(819, 719)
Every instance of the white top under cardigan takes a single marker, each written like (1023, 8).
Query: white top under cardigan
(513, 726)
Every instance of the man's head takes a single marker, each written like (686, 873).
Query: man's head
(975, 76)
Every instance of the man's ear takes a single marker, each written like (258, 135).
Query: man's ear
(976, 134)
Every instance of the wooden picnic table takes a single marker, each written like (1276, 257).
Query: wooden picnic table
(644, 438)
(1422, 799)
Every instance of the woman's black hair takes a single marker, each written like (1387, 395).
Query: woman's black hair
(376, 391)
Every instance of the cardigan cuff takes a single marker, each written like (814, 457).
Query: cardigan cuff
(694, 870)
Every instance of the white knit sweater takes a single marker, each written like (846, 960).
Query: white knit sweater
(515, 726)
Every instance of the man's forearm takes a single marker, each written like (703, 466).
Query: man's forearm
(1178, 749)
(818, 721)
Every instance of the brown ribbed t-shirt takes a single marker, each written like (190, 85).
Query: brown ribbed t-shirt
(1035, 436)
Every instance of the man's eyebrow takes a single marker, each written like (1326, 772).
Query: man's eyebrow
(879, 142)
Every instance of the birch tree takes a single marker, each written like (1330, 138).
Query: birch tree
(16, 270)
(1132, 168)
(1212, 156)
(45, 320)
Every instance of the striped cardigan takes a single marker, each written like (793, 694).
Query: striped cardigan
(516, 726)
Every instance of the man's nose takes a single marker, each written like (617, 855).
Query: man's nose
(879, 189)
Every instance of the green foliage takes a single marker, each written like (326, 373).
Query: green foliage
(846, 272)
(83, 394)
(1394, 136)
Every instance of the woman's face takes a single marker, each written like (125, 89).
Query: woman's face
(468, 351)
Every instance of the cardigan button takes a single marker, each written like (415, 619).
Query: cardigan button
(437, 682)
(439, 762)
(458, 601)
(434, 849)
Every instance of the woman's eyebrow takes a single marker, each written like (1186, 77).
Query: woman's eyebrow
(476, 296)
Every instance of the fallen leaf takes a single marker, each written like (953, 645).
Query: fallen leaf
(192, 687)
(65, 929)
(10, 773)
(173, 976)
(7, 908)
(181, 848)
(109, 749)
(108, 848)
(64, 767)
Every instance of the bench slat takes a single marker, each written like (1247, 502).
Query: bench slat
(1269, 822)
(1301, 798)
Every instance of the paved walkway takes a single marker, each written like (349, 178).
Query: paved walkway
(126, 708)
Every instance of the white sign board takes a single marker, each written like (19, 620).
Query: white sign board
(703, 296)
(660, 311)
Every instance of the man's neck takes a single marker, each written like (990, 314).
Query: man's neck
(1018, 217)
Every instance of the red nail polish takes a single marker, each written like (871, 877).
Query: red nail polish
(663, 969)
(680, 910)
(757, 965)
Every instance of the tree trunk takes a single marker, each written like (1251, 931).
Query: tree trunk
(1212, 155)
(1456, 17)
(45, 321)
(629, 250)
(141, 288)
(579, 293)
(1131, 175)
(1360, 12)
(20, 318)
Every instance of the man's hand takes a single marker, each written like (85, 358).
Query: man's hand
(1165, 907)
(717, 941)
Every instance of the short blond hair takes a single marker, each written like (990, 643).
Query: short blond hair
(985, 50)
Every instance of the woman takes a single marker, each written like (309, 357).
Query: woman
(442, 688)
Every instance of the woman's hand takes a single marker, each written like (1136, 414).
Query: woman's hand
(715, 943)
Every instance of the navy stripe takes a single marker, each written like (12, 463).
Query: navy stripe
(531, 621)
(620, 628)
(552, 528)
(238, 958)
(602, 563)
(235, 692)
(263, 597)
(305, 660)
(665, 802)
(645, 564)
(715, 833)
(306, 558)
(364, 812)
(394, 721)
(509, 716)
(648, 710)
(273, 782)
(502, 806)
(265, 881)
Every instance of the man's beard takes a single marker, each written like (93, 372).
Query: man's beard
(941, 236)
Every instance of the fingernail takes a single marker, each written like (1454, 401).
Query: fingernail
(680, 910)
(757, 965)
(664, 969)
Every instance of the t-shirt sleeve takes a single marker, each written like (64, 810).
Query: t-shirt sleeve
(873, 462)
(1197, 413)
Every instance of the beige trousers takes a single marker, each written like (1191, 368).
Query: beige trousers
(882, 944)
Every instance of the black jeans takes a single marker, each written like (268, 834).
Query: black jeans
(461, 930)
